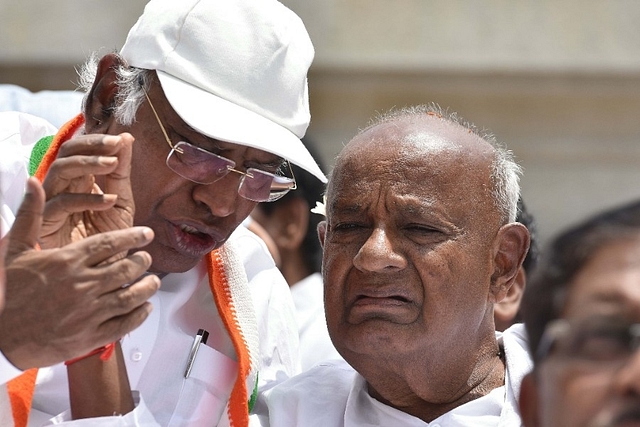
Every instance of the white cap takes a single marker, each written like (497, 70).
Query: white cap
(234, 70)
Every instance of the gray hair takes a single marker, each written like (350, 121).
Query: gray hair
(130, 81)
(505, 172)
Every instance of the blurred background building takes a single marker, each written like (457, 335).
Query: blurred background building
(557, 81)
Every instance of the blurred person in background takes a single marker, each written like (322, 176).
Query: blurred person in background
(293, 228)
(582, 314)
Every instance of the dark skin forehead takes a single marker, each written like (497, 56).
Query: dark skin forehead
(449, 162)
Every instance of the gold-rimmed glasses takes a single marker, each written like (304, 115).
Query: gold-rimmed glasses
(204, 167)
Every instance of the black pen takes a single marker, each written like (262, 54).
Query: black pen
(200, 338)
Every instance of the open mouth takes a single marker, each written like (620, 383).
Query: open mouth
(191, 241)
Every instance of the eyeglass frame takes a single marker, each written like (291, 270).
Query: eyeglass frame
(228, 167)
(556, 328)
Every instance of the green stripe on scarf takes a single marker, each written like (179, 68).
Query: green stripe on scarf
(38, 153)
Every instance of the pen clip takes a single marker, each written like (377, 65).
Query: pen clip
(200, 338)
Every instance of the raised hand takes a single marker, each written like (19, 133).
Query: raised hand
(88, 189)
(63, 303)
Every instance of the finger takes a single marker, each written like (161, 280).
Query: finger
(57, 209)
(100, 247)
(90, 145)
(117, 327)
(119, 180)
(94, 145)
(26, 228)
(75, 174)
(125, 300)
(122, 272)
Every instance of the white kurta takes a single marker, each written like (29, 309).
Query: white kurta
(315, 343)
(156, 353)
(334, 394)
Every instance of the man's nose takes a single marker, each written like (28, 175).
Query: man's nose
(220, 197)
(378, 253)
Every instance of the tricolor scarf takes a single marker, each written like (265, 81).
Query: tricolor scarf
(228, 283)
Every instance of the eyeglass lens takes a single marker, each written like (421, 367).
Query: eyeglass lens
(598, 341)
(204, 167)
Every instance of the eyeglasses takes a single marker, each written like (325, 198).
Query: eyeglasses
(203, 167)
(598, 343)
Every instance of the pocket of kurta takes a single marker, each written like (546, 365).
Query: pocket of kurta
(204, 395)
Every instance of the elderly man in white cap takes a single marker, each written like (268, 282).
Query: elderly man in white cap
(193, 123)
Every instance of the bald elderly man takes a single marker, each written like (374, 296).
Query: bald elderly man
(420, 242)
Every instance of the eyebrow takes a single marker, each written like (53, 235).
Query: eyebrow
(342, 207)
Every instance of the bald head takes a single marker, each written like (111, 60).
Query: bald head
(421, 134)
(417, 250)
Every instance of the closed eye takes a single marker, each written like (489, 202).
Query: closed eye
(423, 234)
(347, 226)
(422, 230)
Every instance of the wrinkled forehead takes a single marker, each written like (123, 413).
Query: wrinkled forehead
(416, 151)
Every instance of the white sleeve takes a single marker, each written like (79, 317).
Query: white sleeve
(139, 417)
(18, 134)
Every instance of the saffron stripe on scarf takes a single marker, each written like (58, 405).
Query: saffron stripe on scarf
(238, 410)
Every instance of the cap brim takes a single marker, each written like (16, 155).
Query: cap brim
(225, 121)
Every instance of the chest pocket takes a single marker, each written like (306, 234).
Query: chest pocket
(205, 393)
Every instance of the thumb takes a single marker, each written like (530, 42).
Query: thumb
(119, 181)
(26, 228)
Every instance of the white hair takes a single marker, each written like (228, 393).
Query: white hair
(505, 172)
(130, 81)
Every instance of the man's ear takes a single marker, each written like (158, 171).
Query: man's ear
(100, 102)
(505, 310)
(510, 248)
(528, 401)
(322, 232)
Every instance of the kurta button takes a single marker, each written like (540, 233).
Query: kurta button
(136, 355)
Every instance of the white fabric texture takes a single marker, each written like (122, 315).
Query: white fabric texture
(55, 106)
(315, 343)
(18, 133)
(334, 394)
(156, 352)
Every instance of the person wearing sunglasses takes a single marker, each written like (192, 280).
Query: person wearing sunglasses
(208, 101)
(582, 314)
